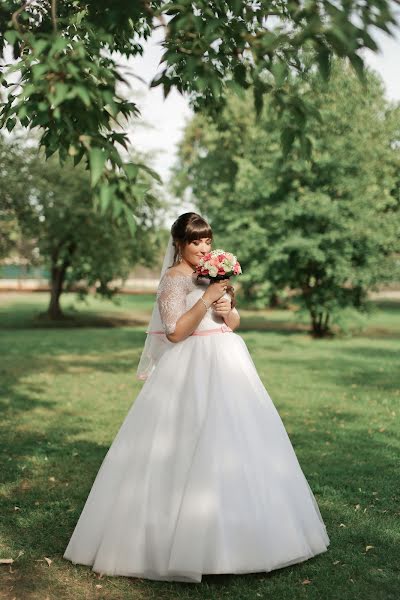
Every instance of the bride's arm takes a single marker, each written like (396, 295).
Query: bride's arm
(179, 324)
(232, 319)
(225, 308)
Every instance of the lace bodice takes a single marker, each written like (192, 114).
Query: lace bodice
(176, 294)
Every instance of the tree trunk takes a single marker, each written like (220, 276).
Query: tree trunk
(273, 300)
(320, 324)
(57, 280)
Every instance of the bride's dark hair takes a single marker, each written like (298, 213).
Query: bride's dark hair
(188, 227)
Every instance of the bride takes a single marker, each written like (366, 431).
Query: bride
(201, 477)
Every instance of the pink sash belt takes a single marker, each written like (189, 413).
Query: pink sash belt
(222, 329)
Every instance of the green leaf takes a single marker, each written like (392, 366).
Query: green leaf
(258, 99)
(150, 171)
(83, 95)
(239, 73)
(117, 207)
(305, 146)
(131, 171)
(59, 44)
(324, 62)
(358, 65)
(105, 197)
(11, 36)
(39, 45)
(11, 124)
(288, 136)
(78, 157)
(38, 71)
(280, 71)
(130, 220)
(60, 93)
(97, 159)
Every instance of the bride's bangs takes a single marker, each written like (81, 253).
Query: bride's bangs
(197, 231)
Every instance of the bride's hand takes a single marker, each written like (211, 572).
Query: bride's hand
(215, 291)
(222, 307)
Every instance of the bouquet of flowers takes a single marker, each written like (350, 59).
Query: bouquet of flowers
(217, 265)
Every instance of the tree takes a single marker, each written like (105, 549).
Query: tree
(70, 85)
(326, 227)
(53, 206)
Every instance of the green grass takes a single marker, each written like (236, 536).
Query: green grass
(65, 392)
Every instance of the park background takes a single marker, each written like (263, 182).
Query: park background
(68, 366)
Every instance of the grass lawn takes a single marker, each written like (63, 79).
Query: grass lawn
(64, 392)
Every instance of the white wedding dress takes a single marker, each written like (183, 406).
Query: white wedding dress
(201, 477)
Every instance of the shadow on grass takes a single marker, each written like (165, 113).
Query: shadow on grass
(388, 305)
(350, 473)
(336, 369)
(73, 321)
(50, 493)
(56, 354)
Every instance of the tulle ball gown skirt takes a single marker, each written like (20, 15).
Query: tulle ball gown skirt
(201, 477)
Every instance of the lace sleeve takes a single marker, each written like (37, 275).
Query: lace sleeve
(171, 299)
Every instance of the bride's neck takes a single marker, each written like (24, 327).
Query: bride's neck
(187, 266)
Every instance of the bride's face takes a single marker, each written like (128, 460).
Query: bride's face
(194, 251)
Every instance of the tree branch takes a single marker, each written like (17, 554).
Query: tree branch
(16, 14)
(54, 15)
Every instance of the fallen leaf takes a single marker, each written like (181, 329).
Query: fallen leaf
(6, 561)
(48, 560)
(358, 506)
(306, 581)
(98, 586)
(368, 548)
(52, 479)
(336, 562)
(342, 525)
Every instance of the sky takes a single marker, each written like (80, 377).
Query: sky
(168, 117)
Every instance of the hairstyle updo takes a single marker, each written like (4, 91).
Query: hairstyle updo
(188, 227)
